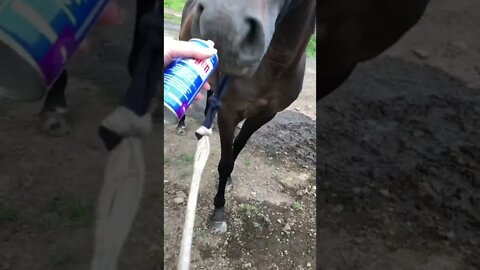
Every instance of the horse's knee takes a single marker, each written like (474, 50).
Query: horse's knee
(225, 168)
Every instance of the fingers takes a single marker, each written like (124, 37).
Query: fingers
(84, 46)
(206, 86)
(112, 14)
(178, 49)
(198, 97)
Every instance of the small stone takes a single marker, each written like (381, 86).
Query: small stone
(309, 265)
(247, 265)
(338, 208)
(450, 235)
(359, 240)
(181, 194)
(384, 192)
(287, 228)
(460, 45)
(178, 200)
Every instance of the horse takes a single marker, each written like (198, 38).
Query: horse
(262, 46)
(55, 108)
(351, 32)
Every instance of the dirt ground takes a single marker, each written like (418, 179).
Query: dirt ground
(398, 168)
(398, 158)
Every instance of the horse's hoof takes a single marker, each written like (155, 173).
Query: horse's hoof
(181, 130)
(55, 124)
(218, 221)
(219, 226)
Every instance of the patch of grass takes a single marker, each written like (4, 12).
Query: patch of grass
(167, 161)
(312, 46)
(172, 18)
(297, 206)
(187, 159)
(176, 5)
(8, 214)
(185, 174)
(72, 210)
(62, 260)
(248, 162)
(249, 209)
(79, 211)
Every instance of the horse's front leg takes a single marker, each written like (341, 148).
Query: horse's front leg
(54, 110)
(226, 126)
(181, 127)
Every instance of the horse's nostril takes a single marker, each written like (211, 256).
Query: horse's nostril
(200, 8)
(252, 31)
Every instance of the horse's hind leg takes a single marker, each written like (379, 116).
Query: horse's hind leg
(54, 109)
(249, 127)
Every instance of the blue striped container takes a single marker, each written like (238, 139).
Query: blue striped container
(37, 38)
(183, 79)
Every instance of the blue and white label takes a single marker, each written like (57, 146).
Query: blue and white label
(184, 78)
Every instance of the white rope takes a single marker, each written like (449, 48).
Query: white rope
(122, 188)
(201, 157)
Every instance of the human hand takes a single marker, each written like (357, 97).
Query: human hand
(177, 49)
(112, 14)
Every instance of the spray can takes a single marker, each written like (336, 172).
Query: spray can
(183, 80)
(37, 38)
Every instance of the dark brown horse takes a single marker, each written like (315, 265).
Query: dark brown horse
(261, 44)
(350, 32)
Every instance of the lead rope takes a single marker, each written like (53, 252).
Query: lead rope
(201, 157)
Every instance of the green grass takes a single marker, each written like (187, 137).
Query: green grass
(176, 5)
(71, 211)
(187, 158)
(249, 210)
(8, 214)
(312, 46)
(172, 18)
(167, 161)
(297, 206)
(62, 260)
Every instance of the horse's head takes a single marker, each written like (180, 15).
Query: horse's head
(242, 30)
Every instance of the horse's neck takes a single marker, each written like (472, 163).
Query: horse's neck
(290, 40)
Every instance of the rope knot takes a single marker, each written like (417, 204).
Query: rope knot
(215, 103)
(203, 131)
